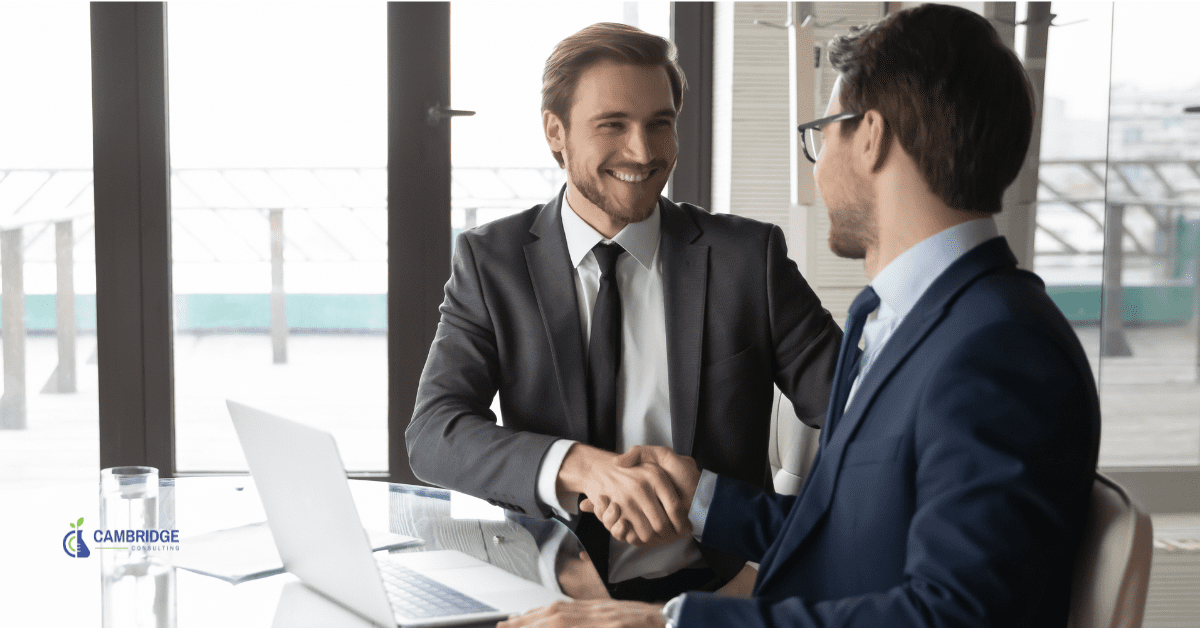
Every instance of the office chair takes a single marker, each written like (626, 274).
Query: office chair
(792, 448)
(1112, 571)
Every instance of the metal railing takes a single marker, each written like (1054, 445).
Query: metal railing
(35, 199)
(1164, 193)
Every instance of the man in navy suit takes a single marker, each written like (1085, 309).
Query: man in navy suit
(958, 451)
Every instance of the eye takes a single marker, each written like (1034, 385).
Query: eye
(661, 123)
(612, 125)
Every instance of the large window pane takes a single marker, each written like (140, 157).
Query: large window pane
(1149, 344)
(49, 450)
(279, 146)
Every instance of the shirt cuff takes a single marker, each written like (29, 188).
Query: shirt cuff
(547, 481)
(701, 502)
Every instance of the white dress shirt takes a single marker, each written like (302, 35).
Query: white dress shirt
(899, 285)
(643, 392)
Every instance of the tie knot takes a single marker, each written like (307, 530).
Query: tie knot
(606, 256)
(863, 305)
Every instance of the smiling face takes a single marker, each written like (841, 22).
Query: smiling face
(848, 196)
(620, 145)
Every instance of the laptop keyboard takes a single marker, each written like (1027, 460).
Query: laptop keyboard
(415, 595)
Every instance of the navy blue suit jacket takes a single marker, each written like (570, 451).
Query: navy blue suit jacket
(953, 491)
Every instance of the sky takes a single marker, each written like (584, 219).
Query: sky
(252, 84)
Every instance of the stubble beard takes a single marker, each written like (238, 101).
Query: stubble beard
(852, 227)
(589, 187)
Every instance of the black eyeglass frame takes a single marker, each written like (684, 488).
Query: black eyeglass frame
(817, 125)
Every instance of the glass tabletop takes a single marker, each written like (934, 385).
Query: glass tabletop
(535, 549)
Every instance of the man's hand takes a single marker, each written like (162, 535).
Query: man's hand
(643, 494)
(684, 476)
(605, 613)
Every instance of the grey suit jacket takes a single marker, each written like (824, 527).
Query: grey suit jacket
(739, 318)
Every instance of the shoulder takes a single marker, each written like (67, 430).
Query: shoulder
(723, 230)
(1004, 323)
(723, 223)
(1012, 297)
(502, 236)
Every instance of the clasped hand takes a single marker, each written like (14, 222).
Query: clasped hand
(643, 496)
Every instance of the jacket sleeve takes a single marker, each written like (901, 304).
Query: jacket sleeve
(805, 335)
(1005, 448)
(453, 438)
(743, 520)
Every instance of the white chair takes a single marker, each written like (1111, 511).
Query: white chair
(1112, 572)
(792, 448)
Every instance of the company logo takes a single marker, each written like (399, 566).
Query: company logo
(73, 543)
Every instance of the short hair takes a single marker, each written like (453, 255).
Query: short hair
(955, 96)
(605, 41)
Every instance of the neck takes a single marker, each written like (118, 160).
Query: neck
(907, 212)
(595, 217)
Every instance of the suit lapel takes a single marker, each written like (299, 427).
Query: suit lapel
(929, 310)
(685, 287)
(553, 280)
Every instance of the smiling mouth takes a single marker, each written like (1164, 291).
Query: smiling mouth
(628, 177)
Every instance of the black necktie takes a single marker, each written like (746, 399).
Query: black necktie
(848, 361)
(604, 360)
(604, 350)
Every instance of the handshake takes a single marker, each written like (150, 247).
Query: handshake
(642, 496)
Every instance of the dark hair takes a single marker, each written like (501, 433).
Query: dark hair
(954, 95)
(605, 41)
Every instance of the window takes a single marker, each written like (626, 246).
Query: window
(279, 222)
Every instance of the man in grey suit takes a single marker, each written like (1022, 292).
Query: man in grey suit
(611, 317)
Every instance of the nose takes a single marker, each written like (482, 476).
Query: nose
(637, 145)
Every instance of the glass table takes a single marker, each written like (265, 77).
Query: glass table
(535, 549)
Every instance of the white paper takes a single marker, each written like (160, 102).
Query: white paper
(248, 552)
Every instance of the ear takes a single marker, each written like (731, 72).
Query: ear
(868, 140)
(556, 132)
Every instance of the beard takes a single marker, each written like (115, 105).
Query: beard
(852, 227)
(588, 184)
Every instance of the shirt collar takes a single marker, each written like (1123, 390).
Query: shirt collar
(902, 282)
(640, 239)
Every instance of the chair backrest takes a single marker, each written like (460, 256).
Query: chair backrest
(1112, 571)
(792, 448)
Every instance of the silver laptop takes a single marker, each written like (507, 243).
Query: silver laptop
(310, 511)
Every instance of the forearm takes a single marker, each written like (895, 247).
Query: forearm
(470, 453)
(742, 519)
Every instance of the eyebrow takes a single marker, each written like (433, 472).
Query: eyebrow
(621, 115)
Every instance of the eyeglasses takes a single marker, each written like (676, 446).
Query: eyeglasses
(811, 136)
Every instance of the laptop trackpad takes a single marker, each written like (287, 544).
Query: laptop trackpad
(483, 581)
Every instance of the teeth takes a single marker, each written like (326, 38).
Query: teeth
(631, 178)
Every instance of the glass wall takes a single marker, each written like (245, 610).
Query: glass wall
(49, 412)
(1149, 345)
(278, 115)
(1118, 217)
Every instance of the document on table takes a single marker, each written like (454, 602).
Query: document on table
(248, 552)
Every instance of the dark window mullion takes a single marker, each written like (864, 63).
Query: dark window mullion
(692, 31)
(133, 236)
(418, 204)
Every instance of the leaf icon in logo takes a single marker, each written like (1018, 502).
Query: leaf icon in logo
(79, 524)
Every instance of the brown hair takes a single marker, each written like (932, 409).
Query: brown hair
(598, 42)
(954, 95)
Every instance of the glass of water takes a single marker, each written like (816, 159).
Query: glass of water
(136, 589)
